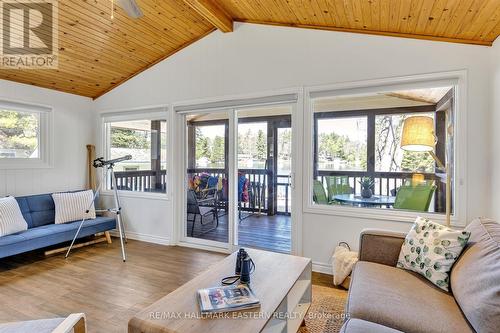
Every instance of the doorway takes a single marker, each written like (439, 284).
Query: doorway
(264, 154)
(238, 169)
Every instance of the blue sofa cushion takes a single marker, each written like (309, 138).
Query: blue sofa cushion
(10, 239)
(37, 210)
(52, 234)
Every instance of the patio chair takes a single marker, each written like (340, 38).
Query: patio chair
(336, 185)
(203, 208)
(319, 195)
(73, 323)
(415, 197)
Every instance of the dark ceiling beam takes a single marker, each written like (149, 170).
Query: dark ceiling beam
(213, 13)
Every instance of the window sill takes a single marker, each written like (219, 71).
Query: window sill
(379, 214)
(141, 195)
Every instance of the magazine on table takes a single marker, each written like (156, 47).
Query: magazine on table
(227, 298)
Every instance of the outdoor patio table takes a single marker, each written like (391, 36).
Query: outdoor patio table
(357, 200)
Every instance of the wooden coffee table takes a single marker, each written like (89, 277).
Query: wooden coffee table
(281, 282)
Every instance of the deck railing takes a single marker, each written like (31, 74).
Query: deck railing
(385, 182)
(142, 180)
(262, 184)
(261, 181)
(259, 190)
(284, 194)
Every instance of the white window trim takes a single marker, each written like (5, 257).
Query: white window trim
(45, 139)
(154, 112)
(456, 78)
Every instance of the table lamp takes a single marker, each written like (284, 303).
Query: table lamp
(418, 135)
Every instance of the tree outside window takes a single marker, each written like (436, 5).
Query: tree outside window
(19, 134)
(389, 157)
(210, 146)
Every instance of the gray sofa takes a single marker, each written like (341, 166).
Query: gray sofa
(386, 299)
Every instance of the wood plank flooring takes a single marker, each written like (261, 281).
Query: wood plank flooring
(272, 233)
(94, 280)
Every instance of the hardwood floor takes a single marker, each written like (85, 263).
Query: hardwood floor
(323, 280)
(272, 233)
(94, 280)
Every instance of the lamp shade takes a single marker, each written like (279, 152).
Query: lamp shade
(418, 134)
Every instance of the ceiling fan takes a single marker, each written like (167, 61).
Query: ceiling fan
(129, 6)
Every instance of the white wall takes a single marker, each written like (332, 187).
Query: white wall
(72, 130)
(257, 58)
(495, 132)
(145, 219)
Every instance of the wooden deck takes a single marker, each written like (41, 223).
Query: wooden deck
(272, 233)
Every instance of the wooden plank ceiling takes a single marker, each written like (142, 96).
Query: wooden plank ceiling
(98, 53)
(463, 21)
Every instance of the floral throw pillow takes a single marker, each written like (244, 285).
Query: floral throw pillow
(430, 249)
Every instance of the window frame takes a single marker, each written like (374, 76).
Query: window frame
(146, 113)
(455, 79)
(45, 136)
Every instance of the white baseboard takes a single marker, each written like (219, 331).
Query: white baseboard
(144, 237)
(322, 267)
(204, 247)
(319, 267)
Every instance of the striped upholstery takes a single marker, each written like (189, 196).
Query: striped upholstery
(72, 206)
(11, 219)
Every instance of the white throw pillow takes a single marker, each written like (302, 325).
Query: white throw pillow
(343, 261)
(430, 249)
(11, 218)
(73, 206)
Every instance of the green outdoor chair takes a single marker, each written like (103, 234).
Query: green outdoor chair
(415, 197)
(336, 185)
(319, 195)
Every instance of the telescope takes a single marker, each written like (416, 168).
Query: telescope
(100, 162)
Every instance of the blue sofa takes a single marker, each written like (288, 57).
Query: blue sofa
(39, 213)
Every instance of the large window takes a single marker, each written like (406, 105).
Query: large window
(25, 136)
(358, 152)
(146, 141)
(19, 134)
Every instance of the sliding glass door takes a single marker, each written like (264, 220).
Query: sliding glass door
(207, 188)
(264, 178)
(238, 186)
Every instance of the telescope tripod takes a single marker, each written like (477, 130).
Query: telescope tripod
(116, 210)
